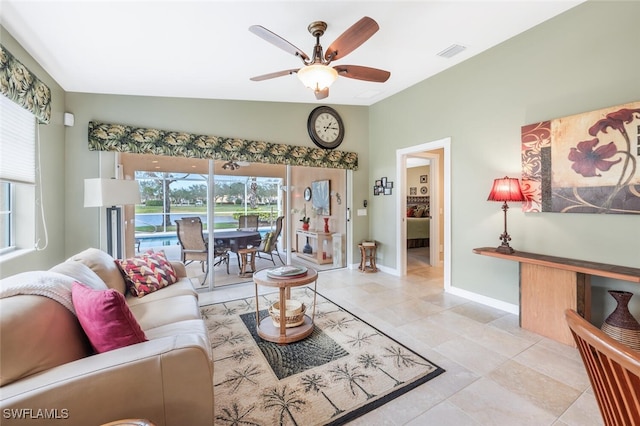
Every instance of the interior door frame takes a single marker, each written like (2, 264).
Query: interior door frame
(438, 212)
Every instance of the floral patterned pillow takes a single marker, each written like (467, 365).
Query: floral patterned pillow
(147, 273)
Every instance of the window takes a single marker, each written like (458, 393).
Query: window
(17, 176)
(6, 218)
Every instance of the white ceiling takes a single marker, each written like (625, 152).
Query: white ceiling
(203, 49)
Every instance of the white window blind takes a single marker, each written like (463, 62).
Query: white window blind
(17, 143)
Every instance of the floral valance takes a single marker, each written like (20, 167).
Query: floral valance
(23, 87)
(121, 138)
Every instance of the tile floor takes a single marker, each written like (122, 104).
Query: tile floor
(496, 373)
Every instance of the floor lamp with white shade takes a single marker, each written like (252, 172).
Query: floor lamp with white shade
(112, 193)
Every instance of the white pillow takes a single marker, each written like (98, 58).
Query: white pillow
(81, 273)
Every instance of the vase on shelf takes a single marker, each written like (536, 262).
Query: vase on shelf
(305, 226)
(307, 249)
(326, 225)
(621, 325)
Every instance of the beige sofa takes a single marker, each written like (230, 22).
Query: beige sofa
(50, 375)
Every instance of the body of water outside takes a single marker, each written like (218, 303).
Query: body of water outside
(168, 238)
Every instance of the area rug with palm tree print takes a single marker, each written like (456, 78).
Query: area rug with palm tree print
(344, 369)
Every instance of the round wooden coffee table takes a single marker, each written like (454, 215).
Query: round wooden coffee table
(283, 334)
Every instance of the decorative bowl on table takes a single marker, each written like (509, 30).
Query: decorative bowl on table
(294, 313)
(287, 272)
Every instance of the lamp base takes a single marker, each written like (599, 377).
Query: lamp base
(505, 249)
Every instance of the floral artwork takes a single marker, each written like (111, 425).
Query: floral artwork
(585, 163)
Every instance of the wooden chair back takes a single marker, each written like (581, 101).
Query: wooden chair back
(249, 221)
(269, 243)
(613, 369)
(192, 243)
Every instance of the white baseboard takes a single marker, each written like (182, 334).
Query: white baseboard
(488, 301)
(474, 297)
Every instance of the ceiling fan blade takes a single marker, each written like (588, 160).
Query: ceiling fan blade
(274, 75)
(278, 41)
(353, 37)
(363, 73)
(321, 94)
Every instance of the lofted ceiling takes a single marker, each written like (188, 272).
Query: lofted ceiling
(203, 49)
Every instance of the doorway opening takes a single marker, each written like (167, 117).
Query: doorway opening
(433, 190)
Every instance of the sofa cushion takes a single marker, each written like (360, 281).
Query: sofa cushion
(106, 318)
(166, 311)
(147, 273)
(104, 266)
(80, 272)
(36, 334)
(181, 288)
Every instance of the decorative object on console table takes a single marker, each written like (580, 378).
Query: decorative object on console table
(305, 219)
(112, 193)
(506, 189)
(307, 249)
(621, 325)
(326, 225)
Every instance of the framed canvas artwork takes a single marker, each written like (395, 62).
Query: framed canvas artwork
(585, 163)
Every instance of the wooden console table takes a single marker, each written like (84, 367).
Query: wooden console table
(317, 246)
(549, 285)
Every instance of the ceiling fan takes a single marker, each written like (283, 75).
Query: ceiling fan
(234, 165)
(316, 73)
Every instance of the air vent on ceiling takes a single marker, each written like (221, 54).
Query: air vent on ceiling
(451, 51)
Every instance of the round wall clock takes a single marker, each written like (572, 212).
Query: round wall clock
(307, 193)
(424, 190)
(325, 127)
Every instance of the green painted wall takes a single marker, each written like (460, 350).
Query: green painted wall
(266, 121)
(52, 137)
(582, 60)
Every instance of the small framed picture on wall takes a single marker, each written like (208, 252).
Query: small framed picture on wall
(423, 179)
(413, 190)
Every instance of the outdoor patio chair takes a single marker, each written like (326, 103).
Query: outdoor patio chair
(193, 246)
(613, 369)
(248, 222)
(269, 243)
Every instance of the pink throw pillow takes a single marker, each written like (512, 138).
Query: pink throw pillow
(105, 317)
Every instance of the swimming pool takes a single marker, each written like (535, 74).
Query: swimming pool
(160, 239)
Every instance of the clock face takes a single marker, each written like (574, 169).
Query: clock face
(325, 127)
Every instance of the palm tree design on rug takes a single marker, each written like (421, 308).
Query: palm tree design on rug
(338, 324)
(237, 377)
(238, 356)
(352, 378)
(360, 339)
(371, 361)
(235, 416)
(231, 339)
(315, 383)
(221, 324)
(284, 400)
(402, 358)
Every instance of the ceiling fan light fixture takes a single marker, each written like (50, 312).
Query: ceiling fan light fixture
(317, 77)
(230, 165)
